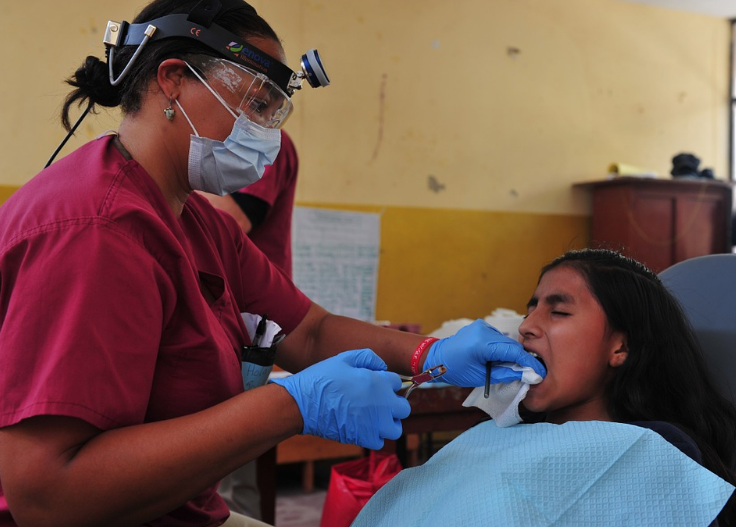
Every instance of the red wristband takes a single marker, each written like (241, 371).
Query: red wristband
(423, 345)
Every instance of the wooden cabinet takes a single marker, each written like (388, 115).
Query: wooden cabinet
(661, 222)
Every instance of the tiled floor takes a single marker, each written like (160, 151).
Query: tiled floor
(294, 507)
(297, 509)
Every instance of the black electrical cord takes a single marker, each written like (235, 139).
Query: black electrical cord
(71, 133)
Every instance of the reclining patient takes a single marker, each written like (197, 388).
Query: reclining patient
(626, 428)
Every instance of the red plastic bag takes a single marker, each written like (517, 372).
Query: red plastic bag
(353, 483)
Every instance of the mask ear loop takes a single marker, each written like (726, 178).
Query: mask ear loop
(186, 117)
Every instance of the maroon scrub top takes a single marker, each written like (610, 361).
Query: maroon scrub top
(102, 315)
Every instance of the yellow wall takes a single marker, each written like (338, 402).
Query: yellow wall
(441, 264)
(434, 87)
(503, 104)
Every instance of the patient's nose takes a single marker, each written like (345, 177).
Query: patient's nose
(528, 328)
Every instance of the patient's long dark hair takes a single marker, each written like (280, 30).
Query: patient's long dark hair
(664, 377)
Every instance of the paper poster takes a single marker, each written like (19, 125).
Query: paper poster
(335, 259)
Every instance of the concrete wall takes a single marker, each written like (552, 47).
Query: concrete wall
(465, 123)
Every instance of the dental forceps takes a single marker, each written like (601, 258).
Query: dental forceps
(412, 381)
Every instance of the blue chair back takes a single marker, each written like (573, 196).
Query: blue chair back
(706, 289)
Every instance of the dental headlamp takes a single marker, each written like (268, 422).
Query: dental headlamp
(198, 25)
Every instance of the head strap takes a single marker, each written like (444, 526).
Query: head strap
(206, 11)
(199, 25)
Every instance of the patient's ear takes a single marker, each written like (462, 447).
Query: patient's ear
(619, 353)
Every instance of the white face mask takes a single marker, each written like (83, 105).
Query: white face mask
(221, 167)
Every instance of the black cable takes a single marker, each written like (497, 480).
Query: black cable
(71, 133)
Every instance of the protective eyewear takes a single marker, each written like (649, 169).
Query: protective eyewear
(243, 90)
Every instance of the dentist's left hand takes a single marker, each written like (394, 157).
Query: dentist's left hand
(466, 353)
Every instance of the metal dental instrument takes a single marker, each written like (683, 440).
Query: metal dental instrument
(412, 381)
(489, 365)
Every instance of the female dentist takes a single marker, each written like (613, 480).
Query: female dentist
(121, 397)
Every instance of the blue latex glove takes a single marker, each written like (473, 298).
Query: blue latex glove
(466, 353)
(349, 398)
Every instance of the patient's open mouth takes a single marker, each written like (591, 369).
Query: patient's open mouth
(536, 356)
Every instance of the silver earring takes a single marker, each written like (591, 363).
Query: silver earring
(169, 112)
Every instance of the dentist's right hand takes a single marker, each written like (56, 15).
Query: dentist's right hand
(349, 398)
